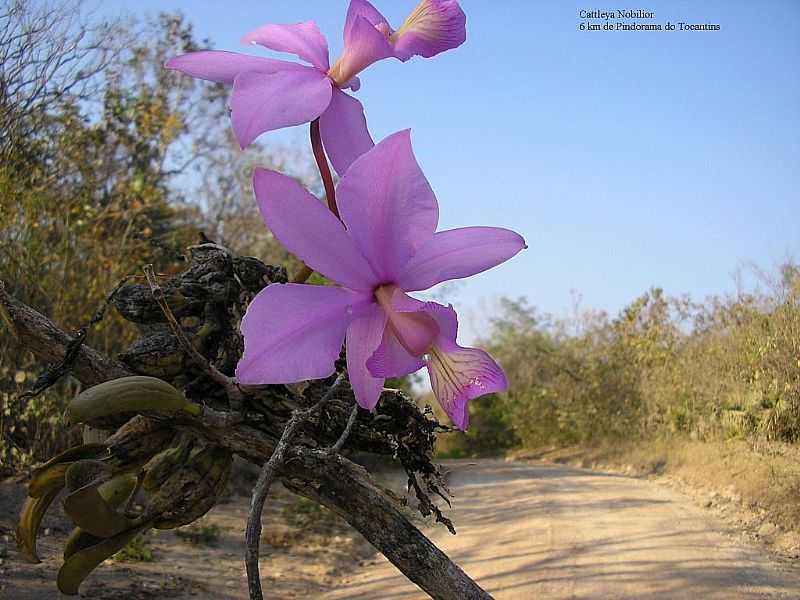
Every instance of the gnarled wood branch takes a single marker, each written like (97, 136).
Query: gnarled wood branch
(330, 479)
(35, 332)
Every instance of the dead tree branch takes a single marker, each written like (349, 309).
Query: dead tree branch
(36, 333)
(309, 469)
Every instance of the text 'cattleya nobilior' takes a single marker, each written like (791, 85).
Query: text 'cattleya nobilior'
(385, 245)
(271, 94)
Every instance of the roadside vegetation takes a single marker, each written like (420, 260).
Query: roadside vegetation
(710, 390)
(108, 162)
(727, 368)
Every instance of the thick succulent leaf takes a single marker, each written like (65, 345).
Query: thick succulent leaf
(80, 564)
(47, 481)
(127, 396)
(115, 492)
(30, 517)
(79, 540)
(89, 511)
(51, 474)
(86, 472)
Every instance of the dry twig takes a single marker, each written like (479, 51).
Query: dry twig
(337, 447)
(265, 479)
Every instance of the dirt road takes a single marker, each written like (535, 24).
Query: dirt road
(532, 531)
(525, 531)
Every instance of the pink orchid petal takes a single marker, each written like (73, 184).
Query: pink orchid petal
(458, 253)
(363, 337)
(310, 231)
(388, 205)
(363, 9)
(390, 359)
(294, 332)
(365, 45)
(263, 102)
(459, 374)
(432, 27)
(344, 131)
(303, 39)
(223, 67)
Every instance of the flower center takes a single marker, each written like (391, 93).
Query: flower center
(350, 63)
(338, 73)
(415, 330)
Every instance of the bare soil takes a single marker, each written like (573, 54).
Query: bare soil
(549, 531)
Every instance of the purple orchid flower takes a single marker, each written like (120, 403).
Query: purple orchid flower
(271, 94)
(385, 245)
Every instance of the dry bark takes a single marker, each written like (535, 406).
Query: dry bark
(38, 334)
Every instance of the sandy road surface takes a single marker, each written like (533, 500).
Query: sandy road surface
(530, 531)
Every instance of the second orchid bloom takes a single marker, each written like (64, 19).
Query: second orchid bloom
(385, 245)
(271, 94)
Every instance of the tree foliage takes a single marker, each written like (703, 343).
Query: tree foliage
(108, 161)
(728, 367)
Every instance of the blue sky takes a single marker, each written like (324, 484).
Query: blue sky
(626, 159)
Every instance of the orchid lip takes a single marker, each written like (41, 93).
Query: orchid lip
(383, 295)
(445, 366)
(416, 331)
(448, 368)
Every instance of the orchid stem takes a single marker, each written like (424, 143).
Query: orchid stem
(324, 169)
(327, 182)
